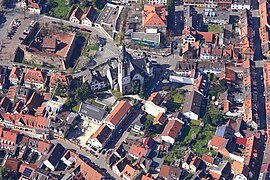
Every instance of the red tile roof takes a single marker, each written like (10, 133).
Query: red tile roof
(172, 128)
(26, 120)
(138, 151)
(34, 76)
(160, 119)
(12, 164)
(241, 141)
(218, 142)
(156, 98)
(44, 146)
(208, 159)
(155, 15)
(58, 77)
(32, 167)
(116, 115)
(16, 73)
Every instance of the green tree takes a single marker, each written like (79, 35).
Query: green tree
(99, 4)
(142, 91)
(83, 93)
(170, 17)
(207, 118)
(148, 124)
(217, 118)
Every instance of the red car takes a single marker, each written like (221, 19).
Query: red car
(83, 29)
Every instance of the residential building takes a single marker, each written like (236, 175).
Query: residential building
(137, 152)
(240, 171)
(96, 81)
(100, 137)
(120, 166)
(130, 172)
(86, 18)
(27, 170)
(89, 17)
(157, 2)
(264, 29)
(60, 81)
(152, 105)
(195, 164)
(9, 139)
(54, 157)
(118, 114)
(172, 130)
(193, 105)
(209, 161)
(223, 170)
(34, 6)
(92, 113)
(241, 4)
(187, 159)
(35, 78)
(25, 122)
(16, 75)
(154, 18)
(216, 16)
(170, 172)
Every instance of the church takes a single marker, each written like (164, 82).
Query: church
(123, 72)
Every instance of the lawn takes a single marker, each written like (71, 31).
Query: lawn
(60, 9)
(215, 28)
(175, 99)
(76, 108)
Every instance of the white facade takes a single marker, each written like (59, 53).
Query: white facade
(86, 21)
(74, 19)
(95, 142)
(189, 39)
(162, 2)
(151, 30)
(240, 177)
(69, 161)
(116, 170)
(153, 109)
(168, 139)
(191, 115)
(182, 80)
(36, 85)
(49, 165)
(185, 166)
(241, 6)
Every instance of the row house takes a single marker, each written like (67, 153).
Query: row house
(59, 80)
(35, 78)
(154, 18)
(86, 18)
(153, 105)
(16, 75)
(264, 27)
(266, 70)
(34, 6)
(223, 4)
(191, 35)
(249, 87)
(9, 139)
(25, 122)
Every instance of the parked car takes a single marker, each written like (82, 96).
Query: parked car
(54, 22)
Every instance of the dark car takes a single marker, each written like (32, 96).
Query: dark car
(20, 38)
(70, 26)
(76, 27)
(60, 23)
(54, 22)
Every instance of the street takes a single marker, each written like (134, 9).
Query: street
(100, 161)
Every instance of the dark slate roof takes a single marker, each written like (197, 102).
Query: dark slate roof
(92, 111)
(193, 102)
(56, 154)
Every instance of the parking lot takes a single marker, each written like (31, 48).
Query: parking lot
(12, 40)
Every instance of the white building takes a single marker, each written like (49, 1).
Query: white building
(153, 109)
(172, 130)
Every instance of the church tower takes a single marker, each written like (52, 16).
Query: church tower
(124, 79)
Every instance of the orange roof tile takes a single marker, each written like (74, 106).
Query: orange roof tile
(172, 128)
(138, 151)
(116, 115)
(155, 15)
(217, 142)
(208, 159)
(35, 76)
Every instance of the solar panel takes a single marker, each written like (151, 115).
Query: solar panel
(27, 172)
(92, 108)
